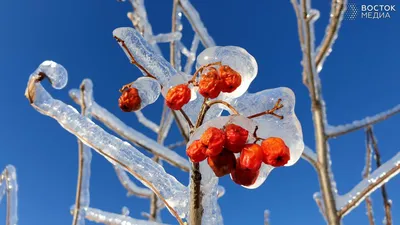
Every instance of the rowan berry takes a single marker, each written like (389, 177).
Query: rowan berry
(230, 79)
(214, 140)
(243, 176)
(195, 151)
(275, 152)
(178, 96)
(236, 137)
(223, 163)
(210, 83)
(129, 100)
(251, 157)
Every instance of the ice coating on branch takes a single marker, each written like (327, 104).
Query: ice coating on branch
(9, 187)
(144, 54)
(289, 128)
(146, 122)
(235, 57)
(149, 90)
(197, 25)
(209, 187)
(332, 130)
(191, 55)
(133, 135)
(100, 216)
(370, 183)
(165, 38)
(115, 150)
(131, 187)
(55, 72)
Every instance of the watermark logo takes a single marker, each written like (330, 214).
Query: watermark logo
(355, 11)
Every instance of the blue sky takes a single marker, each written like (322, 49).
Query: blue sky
(360, 78)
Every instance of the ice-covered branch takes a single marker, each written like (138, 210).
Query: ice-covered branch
(375, 180)
(82, 198)
(191, 55)
(166, 38)
(9, 187)
(366, 173)
(146, 122)
(336, 16)
(386, 202)
(310, 156)
(151, 174)
(266, 217)
(194, 18)
(99, 216)
(334, 131)
(134, 136)
(318, 200)
(131, 187)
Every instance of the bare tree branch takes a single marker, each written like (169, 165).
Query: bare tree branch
(335, 131)
(368, 185)
(366, 173)
(386, 202)
(337, 10)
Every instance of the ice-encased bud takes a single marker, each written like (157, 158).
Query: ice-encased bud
(149, 90)
(288, 129)
(144, 54)
(56, 73)
(235, 57)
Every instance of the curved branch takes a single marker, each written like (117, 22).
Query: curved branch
(151, 174)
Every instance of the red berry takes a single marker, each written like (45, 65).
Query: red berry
(275, 152)
(230, 79)
(210, 84)
(236, 137)
(243, 176)
(129, 100)
(214, 139)
(178, 96)
(195, 151)
(223, 163)
(251, 157)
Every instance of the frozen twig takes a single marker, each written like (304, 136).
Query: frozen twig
(131, 187)
(151, 174)
(9, 187)
(177, 144)
(334, 131)
(134, 136)
(337, 10)
(191, 55)
(146, 122)
(194, 18)
(266, 217)
(82, 197)
(166, 38)
(318, 200)
(99, 216)
(310, 156)
(366, 173)
(386, 202)
(368, 185)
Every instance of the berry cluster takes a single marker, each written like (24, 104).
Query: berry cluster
(214, 79)
(219, 146)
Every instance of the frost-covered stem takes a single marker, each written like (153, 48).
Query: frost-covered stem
(359, 124)
(146, 122)
(337, 9)
(386, 201)
(176, 145)
(318, 113)
(320, 204)
(375, 180)
(266, 217)
(9, 187)
(310, 156)
(367, 171)
(81, 162)
(154, 200)
(196, 208)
